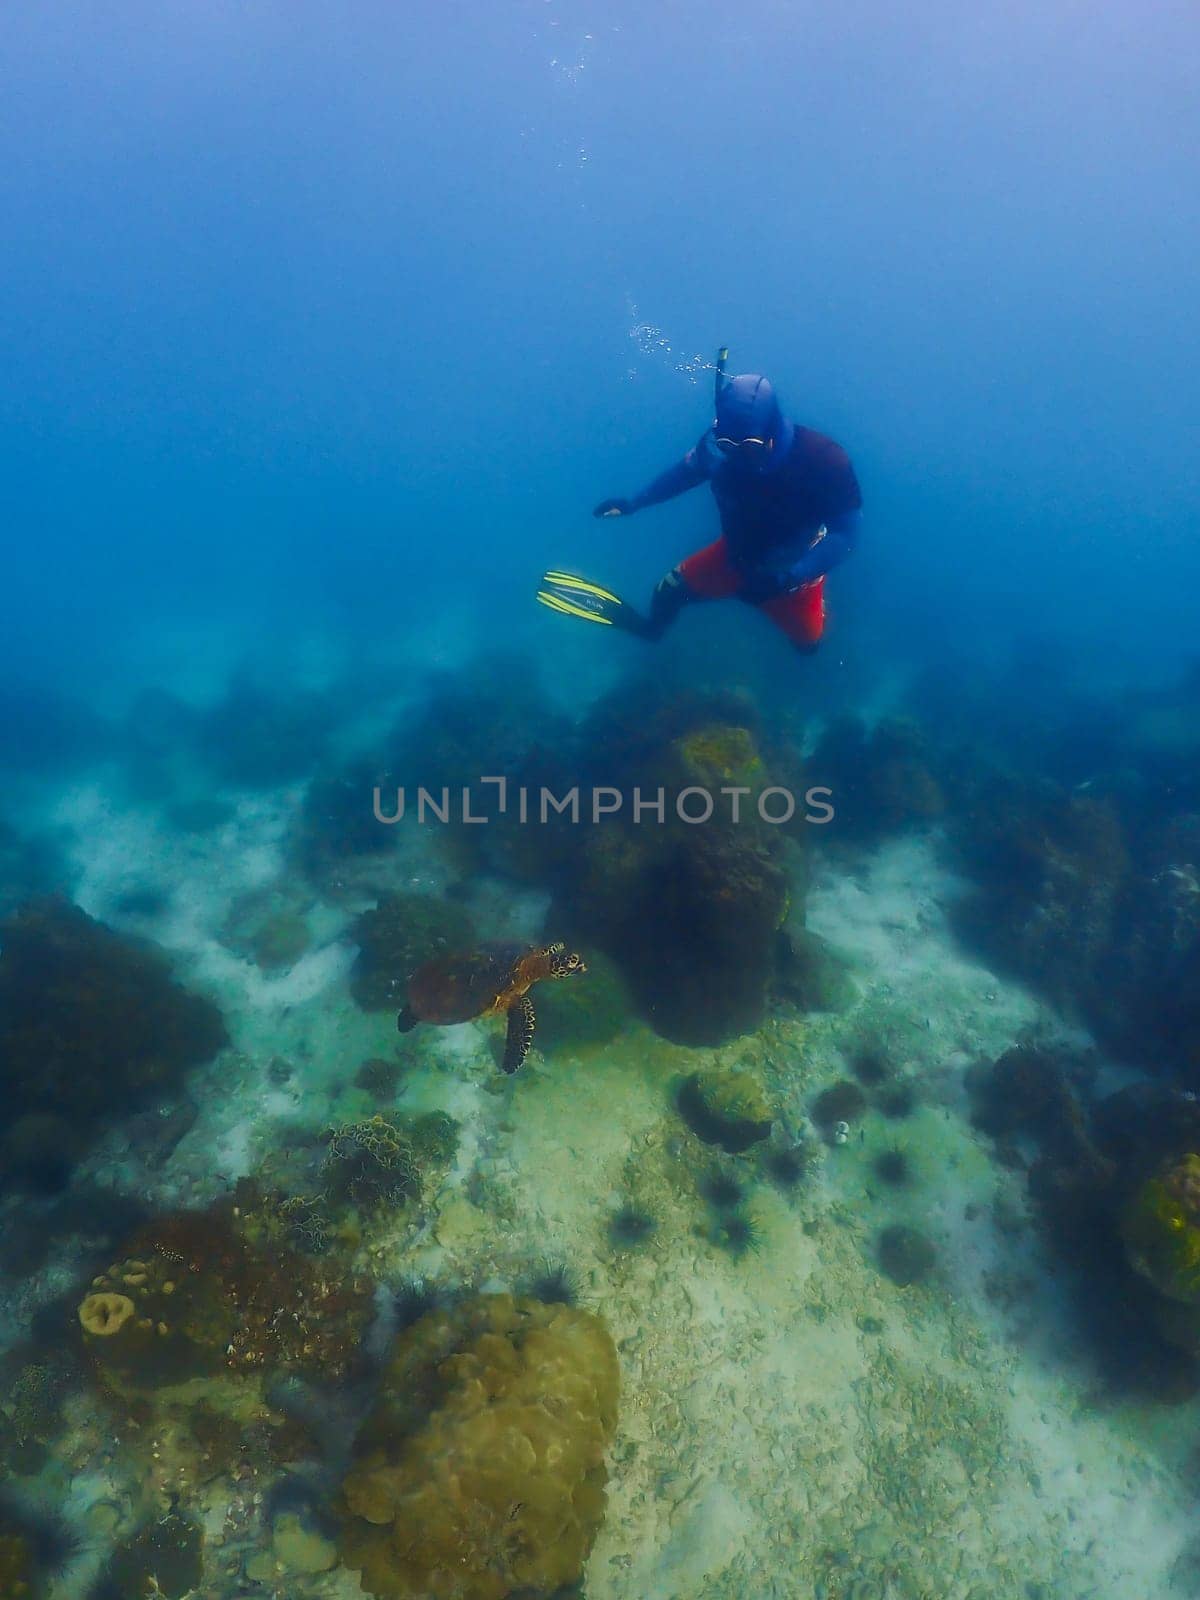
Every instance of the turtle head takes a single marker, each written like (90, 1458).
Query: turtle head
(563, 962)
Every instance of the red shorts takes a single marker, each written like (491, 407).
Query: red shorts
(710, 575)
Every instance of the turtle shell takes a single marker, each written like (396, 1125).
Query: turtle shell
(461, 984)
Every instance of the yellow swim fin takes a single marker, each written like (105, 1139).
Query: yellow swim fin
(577, 597)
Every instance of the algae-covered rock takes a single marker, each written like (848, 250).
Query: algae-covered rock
(479, 1474)
(691, 915)
(1161, 1230)
(396, 937)
(92, 1024)
(727, 1109)
(91, 1021)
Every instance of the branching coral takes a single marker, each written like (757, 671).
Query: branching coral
(480, 1472)
(372, 1163)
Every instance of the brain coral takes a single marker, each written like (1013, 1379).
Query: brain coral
(480, 1472)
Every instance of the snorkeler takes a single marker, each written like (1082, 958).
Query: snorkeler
(789, 505)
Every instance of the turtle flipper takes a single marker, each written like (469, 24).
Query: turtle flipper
(407, 1020)
(521, 1023)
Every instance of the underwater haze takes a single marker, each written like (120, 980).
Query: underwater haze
(315, 320)
(517, 1083)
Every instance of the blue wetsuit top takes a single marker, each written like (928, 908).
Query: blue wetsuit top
(794, 519)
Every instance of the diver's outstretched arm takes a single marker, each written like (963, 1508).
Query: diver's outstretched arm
(678, 479)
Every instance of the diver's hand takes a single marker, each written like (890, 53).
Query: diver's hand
(613, 508)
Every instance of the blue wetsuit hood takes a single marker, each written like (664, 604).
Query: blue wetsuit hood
(748, 407)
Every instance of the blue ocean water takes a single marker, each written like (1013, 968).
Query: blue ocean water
(308, 320)
(322, 331)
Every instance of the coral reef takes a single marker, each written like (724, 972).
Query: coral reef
(1094, 1177)
(690, 918)
(199, 1292)
(434, 1138)
(491, 718)
(91, 1023)
(626, 730)
(35, 1400)
(1053, 871)
(371, 1163)
(725, 1108)
(1033, 1092)
(380, 1077)
(479, 1473)
(689, 911)
(400, 933)
(163, 1558)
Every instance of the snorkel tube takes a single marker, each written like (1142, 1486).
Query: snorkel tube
(719, 373)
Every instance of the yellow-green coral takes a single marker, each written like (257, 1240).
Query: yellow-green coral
(480, 1472)
(719, 751)
(104, 1315)
(1161, 1230)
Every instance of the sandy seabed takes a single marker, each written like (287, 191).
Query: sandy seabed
(792, 1423)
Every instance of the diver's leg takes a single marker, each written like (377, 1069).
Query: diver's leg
(706, 575)
(800, 614)
(668, 600)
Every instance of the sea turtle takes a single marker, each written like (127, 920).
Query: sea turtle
(484, 982)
